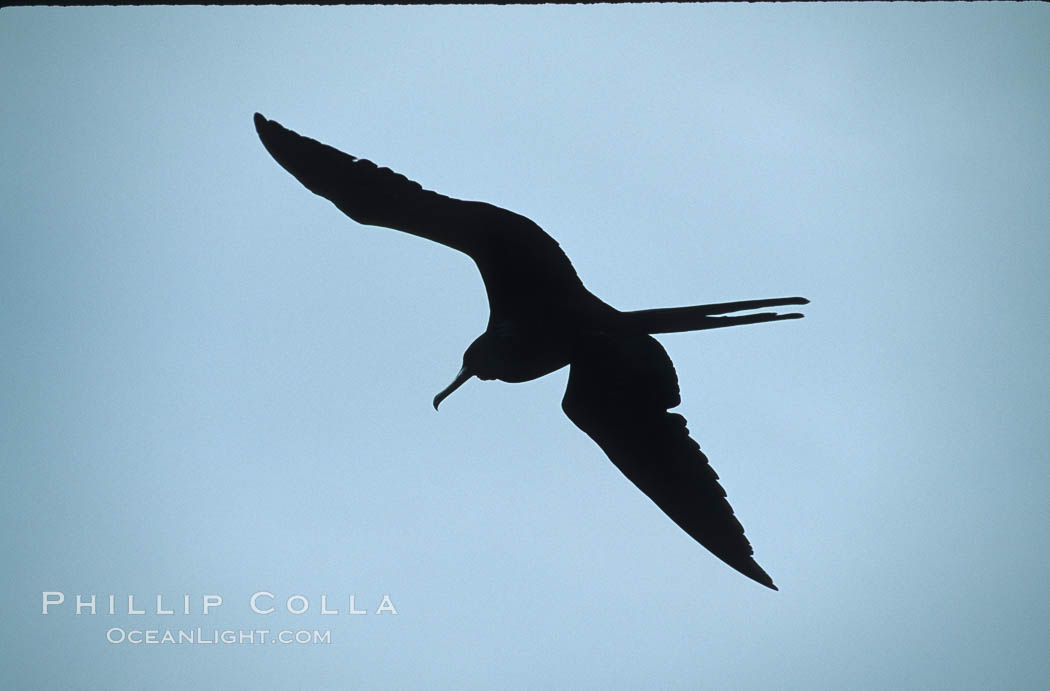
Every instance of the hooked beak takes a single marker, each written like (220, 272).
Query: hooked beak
(464, 374)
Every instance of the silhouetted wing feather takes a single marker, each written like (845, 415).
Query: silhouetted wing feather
(619, 391)
(524, 269)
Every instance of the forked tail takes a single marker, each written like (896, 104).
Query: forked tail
(699, 317)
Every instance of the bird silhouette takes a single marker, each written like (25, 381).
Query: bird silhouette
(541, 318)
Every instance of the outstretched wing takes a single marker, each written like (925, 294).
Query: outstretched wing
(524, 269)
(619, 391)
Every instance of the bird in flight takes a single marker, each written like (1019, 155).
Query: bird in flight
(541, 318)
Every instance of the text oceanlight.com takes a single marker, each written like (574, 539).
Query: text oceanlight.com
(200, 636)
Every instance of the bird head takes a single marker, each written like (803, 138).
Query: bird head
(480, 360)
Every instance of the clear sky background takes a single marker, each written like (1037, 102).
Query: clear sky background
(212, 382)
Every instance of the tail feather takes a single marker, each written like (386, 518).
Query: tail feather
(700, 317)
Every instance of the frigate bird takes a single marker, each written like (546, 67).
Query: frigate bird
(541, 318)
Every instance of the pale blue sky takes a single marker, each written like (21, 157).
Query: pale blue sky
(213, 382)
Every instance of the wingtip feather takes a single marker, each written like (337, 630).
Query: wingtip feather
(757, 574)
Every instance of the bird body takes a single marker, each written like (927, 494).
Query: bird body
(541, 318)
